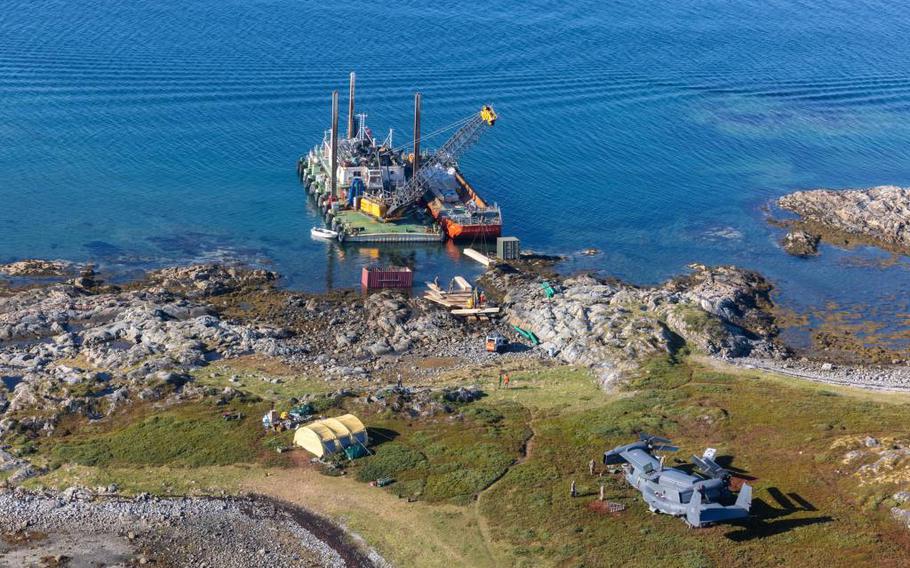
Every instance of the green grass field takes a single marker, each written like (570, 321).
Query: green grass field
(492, 483)
(451, 461)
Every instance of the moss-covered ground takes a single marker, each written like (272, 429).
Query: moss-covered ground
(778, 434)
(490, 487)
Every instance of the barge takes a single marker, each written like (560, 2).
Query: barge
(368, 190)
(461, 212)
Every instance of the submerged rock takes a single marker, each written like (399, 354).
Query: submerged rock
(39, 268)
(800, 243)
(209, 279)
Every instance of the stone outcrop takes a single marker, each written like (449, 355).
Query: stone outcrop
(611, 326)
(81, 347)
(421, 401)
(879, 215)
(72, 348)
(879, 464)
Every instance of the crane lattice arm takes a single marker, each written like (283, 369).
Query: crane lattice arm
(448, 153)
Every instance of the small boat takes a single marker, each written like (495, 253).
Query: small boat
(321, 233)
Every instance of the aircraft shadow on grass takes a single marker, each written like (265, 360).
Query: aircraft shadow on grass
(768, 520)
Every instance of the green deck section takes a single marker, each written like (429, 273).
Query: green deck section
(359, 219)
(420, 228)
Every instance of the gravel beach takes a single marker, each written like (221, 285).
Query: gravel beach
(80, 528)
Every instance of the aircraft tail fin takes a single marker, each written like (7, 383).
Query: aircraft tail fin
(744, 499)
(693, 512)
(699, 514)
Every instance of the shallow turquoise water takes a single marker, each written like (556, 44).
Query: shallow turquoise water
(142, 134)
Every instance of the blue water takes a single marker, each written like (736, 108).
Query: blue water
(139, 134)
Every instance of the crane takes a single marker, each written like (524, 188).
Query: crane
(399, 200)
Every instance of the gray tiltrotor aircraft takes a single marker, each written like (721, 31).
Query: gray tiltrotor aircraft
(672, 491)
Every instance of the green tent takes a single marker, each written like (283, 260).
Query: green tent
(355, 451)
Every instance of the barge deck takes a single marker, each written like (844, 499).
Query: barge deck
(358, 227)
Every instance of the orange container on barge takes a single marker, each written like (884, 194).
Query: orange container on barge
(457, 207)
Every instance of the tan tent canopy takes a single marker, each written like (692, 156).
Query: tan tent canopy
(329, 435)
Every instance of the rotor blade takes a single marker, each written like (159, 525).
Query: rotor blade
(645, 437)
(709, 467)
(665, 448)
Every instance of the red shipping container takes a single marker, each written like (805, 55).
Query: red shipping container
(376, 277)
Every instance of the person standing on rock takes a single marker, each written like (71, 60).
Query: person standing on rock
(573, 492)
(398, 382)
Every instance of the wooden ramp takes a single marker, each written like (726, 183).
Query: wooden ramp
(460, 299)
(479, 257)
(462, 284)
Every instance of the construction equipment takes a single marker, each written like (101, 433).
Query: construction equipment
(398, 200)
(527, 334)
(496, 343)
(369, 191)
(548, 289)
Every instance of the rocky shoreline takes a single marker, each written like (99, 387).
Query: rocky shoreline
(82, 348)
(881, 378)
(77, 527)
(879, 216)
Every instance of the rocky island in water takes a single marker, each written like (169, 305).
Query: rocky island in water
(878, 216)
